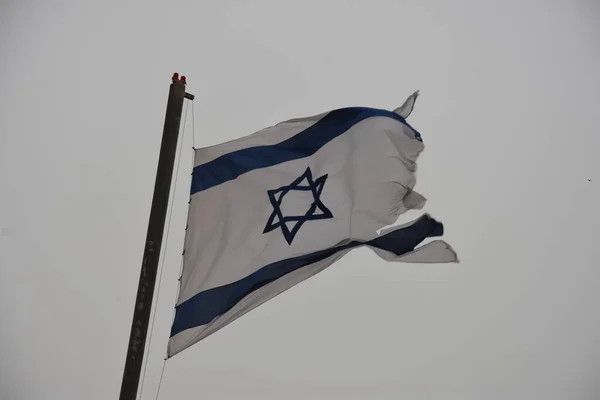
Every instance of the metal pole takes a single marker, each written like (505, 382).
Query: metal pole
(154, 236)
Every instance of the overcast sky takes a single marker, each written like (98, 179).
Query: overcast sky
(509, 111)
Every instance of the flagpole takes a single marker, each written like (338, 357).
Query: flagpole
(154, 236)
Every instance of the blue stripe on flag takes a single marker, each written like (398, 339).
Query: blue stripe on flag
(229, 166)
(207, 305)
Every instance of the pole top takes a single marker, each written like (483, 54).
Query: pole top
(182, 80)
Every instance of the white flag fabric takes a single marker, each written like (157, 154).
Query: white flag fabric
(274, 208)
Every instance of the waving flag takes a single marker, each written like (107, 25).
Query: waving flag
(274, 208)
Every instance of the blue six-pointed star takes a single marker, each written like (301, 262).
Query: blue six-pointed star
(316, 211)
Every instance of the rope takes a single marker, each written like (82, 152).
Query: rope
(182, 255)
(193, 128)
(161, 267)
(162, 374)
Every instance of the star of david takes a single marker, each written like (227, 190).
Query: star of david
(316, 211)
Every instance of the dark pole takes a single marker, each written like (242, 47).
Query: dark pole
(154, 236)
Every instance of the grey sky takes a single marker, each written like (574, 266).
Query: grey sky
(510, 93)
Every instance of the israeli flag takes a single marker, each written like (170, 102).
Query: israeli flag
(274, 208)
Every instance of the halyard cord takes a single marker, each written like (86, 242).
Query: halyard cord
(161, 267)
(193, 128)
